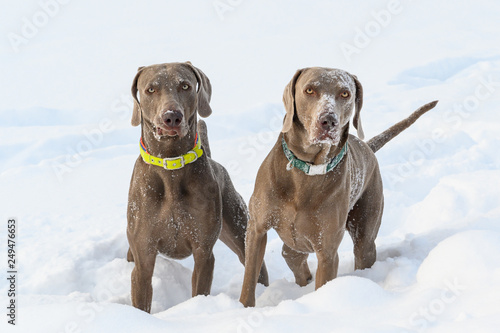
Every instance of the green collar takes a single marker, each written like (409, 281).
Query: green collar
(308, 168)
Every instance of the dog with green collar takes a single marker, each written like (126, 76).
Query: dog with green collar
(318, 180)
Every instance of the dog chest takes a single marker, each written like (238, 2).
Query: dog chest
(305, 229)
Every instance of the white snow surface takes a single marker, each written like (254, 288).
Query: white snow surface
(67, 151)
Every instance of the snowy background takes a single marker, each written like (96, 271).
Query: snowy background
(67, 151)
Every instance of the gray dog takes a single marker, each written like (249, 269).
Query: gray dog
(180, 200)
(318, 180)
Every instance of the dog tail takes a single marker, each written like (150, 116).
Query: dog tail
(380, 140)
(203, 133)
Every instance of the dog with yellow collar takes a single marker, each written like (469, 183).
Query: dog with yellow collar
(180, 200)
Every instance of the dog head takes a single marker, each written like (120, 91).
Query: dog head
(322, 101)
(168, 96)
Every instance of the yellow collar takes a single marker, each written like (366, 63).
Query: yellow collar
(173, 163)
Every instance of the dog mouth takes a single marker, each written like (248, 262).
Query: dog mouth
(331, 137)
(162, 132)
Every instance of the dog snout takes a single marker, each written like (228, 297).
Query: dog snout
(328, 122)
(172, 118)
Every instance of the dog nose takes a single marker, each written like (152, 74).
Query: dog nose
(327, 122)
(172, 118)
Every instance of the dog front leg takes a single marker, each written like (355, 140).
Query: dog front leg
(328, 264)
(254, 257)
(203, 272)
(142, 290)
(297, 261)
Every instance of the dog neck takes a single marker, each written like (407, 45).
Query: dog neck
(168, 146)
(320, 153)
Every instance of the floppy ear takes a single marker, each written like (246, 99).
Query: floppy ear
(137, 113)
(359, 104)
(289, 101)
(204, 91)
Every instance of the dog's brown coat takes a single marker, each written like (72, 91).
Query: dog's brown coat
(311, 213)
(178, 212)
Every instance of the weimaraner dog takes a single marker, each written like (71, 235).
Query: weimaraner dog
(318, 180)
(180, 200)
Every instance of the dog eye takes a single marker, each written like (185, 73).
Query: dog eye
(309, 91)
(151, 90)
(344, 94)
(185, 87)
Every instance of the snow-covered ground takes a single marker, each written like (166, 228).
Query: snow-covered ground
(67, 151)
